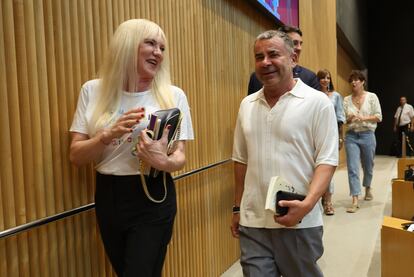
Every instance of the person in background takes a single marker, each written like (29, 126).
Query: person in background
(404, 122)
(362, 112)
(306, 75)
(327, 87)
(286, 129)
(110, 120)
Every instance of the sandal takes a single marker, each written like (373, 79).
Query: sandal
(368, 194)
(328, 209)
(353, 208)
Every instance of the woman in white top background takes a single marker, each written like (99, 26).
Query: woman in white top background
(325, 81)
(363, 112)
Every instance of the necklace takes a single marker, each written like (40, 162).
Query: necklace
(357, 99)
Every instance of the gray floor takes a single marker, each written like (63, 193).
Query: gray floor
(352, 241)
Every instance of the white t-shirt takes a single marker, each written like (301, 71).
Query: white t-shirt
(117, 158)
(406, 115)
(289, 140)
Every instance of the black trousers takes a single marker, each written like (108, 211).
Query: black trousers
(134, 230)
(406, 130)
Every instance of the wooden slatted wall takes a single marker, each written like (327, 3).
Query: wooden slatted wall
(48, 48)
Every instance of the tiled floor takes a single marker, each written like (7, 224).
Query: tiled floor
(352, 241)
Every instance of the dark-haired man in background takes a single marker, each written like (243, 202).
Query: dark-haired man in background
(306, 75)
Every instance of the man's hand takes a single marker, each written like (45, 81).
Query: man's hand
(297, 211)
(235, 225)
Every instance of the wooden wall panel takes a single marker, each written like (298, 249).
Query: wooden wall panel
(202, 244)
(344, 68)
(79, 258)
(317, 20)
(48, 48)
(202, 227)
(320, 49)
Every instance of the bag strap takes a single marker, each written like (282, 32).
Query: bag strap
(164, 179)
(144, 186)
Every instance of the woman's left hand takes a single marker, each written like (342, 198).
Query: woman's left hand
(154, 152)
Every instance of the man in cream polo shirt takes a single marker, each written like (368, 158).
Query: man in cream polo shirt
(286, 129)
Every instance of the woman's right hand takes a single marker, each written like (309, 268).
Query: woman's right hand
(350, 118)
(84, 149)
(123, 125)
(354, 118)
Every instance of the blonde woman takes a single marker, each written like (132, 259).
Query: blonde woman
(363, 112)
(109, 122)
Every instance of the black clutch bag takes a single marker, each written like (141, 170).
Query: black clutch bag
(162, 118)
(285, 195)
(158, 121)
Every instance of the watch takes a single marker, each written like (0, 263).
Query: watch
(236, 209)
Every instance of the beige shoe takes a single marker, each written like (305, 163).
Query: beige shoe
(368, 194)
(352, 209)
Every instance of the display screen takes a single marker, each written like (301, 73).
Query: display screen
(286, 11)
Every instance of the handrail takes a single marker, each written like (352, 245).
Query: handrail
(45, 220)
(52, 218)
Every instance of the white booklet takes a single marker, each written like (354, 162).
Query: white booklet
(276, 183)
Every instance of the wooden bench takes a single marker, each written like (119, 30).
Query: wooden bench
(397, 244)
(402, 199)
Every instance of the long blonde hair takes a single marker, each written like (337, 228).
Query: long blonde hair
(119, 70)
